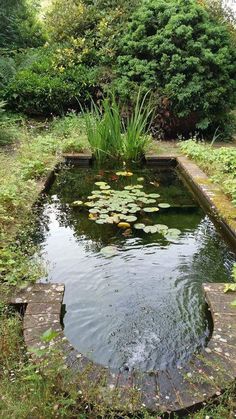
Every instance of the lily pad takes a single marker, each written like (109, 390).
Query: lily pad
(100, 221)
(151, 209)
(140, 179)
(94, 211)
(161, 228)
(129, 187)
(124, 173)
(131, 218)
(139, 226)
(154, 195)
(150, 229)
(90, 204)
(77, 203)
(124, 225)
(100, 183)
(109, 251)
(174, 232)
(164, 205)
(105, 187)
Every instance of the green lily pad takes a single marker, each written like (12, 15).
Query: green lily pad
(174, 232)
(100, 183)
(100, 221)
(129, 187)
(151, 209)
(139, 226)
(106, 192)
(102, 216)
(161, 228)
(138, 187)
(124, 173)
(109, 251)
(90, 204)
(133, 210)
(131, 218)
(140, 179)
(150, 229)
(94, 211)
(77, 203)
(105, 187)
(154, 195)
(164, 205)
(96, 193)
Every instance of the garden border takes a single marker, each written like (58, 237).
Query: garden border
(205, 376)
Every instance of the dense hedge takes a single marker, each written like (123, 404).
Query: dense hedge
(46, 86)
(177, 49)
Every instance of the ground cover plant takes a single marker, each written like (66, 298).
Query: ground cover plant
(219, 163)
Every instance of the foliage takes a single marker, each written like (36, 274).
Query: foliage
(96, 24)
(111, 134)
(220, 163)
(71, 130)
(137, 125)
(49, 85)
(20, 27)
(182, 52)
(7, 71)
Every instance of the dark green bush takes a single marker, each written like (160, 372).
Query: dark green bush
(50, 85)
(184, 54)
(20, 27)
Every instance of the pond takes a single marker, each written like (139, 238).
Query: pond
(133, 295)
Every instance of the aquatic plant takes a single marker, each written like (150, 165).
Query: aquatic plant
(123, 207)
(110, 134)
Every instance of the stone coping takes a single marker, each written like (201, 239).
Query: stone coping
(205, 376)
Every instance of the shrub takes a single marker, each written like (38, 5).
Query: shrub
(20, 27)
(46, 86)
(184, 54)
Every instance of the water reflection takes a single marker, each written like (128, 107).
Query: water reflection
(142, 308)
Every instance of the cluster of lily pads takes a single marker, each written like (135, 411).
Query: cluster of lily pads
(120, 207)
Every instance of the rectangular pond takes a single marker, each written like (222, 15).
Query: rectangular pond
(133, 293)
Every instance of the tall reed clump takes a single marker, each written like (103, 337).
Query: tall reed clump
(112, 135)
(136, 128)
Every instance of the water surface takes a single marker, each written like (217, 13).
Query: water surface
(142, 308)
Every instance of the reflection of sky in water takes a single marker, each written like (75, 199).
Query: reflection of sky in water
(144, 306)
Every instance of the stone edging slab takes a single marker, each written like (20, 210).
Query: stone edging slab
(205, 376)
